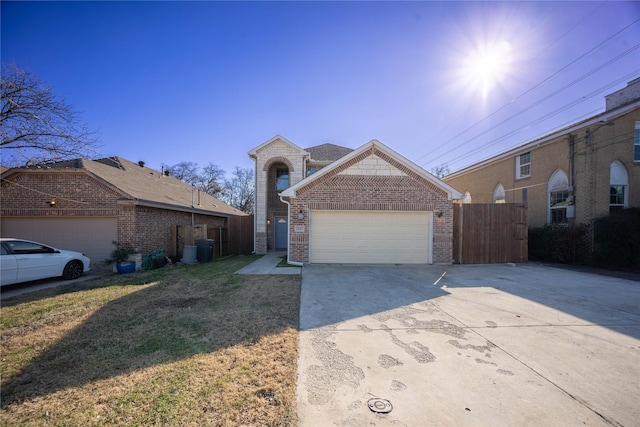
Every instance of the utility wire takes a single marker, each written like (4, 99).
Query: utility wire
(591, 95)
(525, 65)
(533, 88)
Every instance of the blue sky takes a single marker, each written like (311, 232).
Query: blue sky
(439, 82)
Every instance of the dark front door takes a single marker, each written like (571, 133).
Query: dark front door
(281, 232)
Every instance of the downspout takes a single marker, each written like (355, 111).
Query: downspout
(298, 264)
(255, 202)
(572, 188)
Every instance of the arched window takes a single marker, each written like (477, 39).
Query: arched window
(498, 194)
(619, 187)
(558, 190)
(467, 197)
(282, 178)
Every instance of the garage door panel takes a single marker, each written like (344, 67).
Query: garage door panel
(370, 237)
(91, 236)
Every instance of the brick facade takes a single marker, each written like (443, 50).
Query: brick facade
(271, 155)
(388, 186)
(592, 162)
(371, 178)
(78, 194)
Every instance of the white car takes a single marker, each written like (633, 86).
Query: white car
(24, 260)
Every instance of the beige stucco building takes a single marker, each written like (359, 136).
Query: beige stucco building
(571, 176)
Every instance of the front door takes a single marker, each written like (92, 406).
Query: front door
(282, 226)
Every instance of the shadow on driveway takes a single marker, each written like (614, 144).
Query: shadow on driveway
(336, 293)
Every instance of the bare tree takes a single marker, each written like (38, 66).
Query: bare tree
(210, 180)
(239, 190)
(37, 126)
(184, 171)
(441, 171)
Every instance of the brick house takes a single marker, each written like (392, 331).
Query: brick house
(84, 205)
(571, 176)
(332, 204)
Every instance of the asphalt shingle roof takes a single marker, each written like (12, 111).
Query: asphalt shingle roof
(328, 152)
(148, 185)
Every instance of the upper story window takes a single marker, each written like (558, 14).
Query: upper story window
(282, 179)
(523, 165)
(312, 170)
(636, 143)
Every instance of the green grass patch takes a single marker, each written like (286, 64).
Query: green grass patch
(181, 345)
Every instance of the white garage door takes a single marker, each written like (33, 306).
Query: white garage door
(370, 237)
(91, 236)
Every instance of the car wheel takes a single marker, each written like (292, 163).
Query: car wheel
(72, 270)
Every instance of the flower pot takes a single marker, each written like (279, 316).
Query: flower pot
(126, 267)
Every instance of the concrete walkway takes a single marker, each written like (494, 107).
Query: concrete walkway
(267, 265)
(489, 345)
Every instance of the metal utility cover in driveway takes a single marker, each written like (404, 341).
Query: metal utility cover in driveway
(488, 345)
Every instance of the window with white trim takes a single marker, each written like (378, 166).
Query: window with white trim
(523, 165)
(618, 187)
(282, 179)
(498, 194)
(467, 197)
(636, 143)
(558, 190)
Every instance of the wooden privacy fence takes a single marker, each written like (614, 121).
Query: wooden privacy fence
(490, 233)
(235, 238)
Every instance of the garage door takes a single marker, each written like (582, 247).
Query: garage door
(370, 237)
(91, 236)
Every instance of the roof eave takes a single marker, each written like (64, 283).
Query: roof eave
(549, 138)
(254, 152)
(452, 193)
(168, 206)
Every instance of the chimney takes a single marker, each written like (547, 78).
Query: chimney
(624, 96)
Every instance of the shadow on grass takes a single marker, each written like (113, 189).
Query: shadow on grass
(177, 313)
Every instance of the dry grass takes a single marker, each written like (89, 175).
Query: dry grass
(187, 345)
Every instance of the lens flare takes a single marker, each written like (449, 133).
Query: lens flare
(486, 66)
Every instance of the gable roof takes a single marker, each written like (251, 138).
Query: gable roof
(452, 192)
(142, 186)
(253, 153)
(327, 152)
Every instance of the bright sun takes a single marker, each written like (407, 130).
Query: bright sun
(486, 66)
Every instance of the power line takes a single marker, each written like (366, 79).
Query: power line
(545, 117)
(533, 88)
(525, 65)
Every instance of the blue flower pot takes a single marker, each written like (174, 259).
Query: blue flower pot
(126, 267)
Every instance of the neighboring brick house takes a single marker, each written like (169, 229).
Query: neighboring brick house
(331, 204)
(84, 205)
(571, 176)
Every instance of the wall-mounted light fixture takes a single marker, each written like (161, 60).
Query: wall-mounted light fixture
(52, 202)
(268, 222)
(300, 214)
(439, 214)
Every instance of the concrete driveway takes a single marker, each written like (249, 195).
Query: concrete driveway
(486, 345)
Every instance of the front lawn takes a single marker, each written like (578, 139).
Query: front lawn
(182, 345)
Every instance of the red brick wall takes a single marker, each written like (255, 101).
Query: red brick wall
(147, 229)
(78, 194)
(382, 193)
(75, 193)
